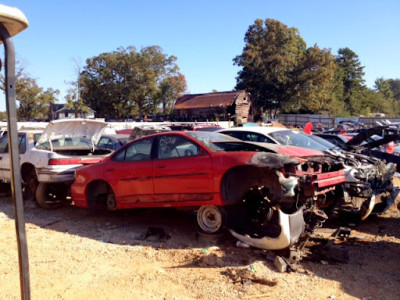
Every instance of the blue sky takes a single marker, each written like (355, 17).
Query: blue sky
(204, 35)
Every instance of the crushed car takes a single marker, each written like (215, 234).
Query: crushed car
(369, 181)
(267, 200)
(48, 169)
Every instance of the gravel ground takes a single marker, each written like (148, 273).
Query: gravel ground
(74, 254)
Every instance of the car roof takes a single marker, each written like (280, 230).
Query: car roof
(259, 129)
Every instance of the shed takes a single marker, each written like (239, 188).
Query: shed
(221, 105)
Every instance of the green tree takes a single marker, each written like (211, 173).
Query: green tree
(315, 81)
(352, 78)
(126, 82)
(282, 74)
(269, 60)
(34, 102)
(171, 88)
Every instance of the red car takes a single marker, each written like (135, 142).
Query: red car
(262, 197)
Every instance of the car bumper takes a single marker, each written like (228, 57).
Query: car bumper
(48, 175)
(292, 226)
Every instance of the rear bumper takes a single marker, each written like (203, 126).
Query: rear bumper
(49, 175)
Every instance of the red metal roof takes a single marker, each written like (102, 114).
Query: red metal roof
(206, 100)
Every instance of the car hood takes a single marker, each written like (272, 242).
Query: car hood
(88, 129)
(363, 136)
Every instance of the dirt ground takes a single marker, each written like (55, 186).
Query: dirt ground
(74, 254)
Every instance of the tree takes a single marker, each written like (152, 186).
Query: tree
(314, 82)
(282, 74)
(171, 88)
(126, 82)
(352, 78)
(73, 97)
(34, 102)
(269, 59)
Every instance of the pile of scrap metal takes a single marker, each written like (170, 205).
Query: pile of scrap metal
(288, 194)
(369, 185)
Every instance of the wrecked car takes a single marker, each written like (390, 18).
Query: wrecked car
(48, 168)
(265, 199)
(368, 188)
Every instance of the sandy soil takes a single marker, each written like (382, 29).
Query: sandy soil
(77, 255)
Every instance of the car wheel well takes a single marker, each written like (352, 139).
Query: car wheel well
(97, 193)
(26, 170)
(238, 181)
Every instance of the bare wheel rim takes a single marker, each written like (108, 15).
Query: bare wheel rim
(111, 204)
(209, 219)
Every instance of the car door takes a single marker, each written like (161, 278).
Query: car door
(130, 173)
(182, 171)
(5, 155)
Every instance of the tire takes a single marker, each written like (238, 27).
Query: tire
(30, 186)
(51, 195)
(211, 219)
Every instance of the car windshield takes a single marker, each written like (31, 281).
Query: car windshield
(216, 141)
(291, 138)
(324, 142)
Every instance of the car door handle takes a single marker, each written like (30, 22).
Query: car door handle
(109, 170)
(160, 167)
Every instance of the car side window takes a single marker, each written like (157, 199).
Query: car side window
(235, 134)
(138, 151)
(256, 137)
(106, 143)
(22, 143)
(4, 144)
(173, 146)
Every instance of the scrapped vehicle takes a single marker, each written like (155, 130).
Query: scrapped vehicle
(194, 127)
(143, 130)
(26, 141)
(369, 181)
(113, 141)
(48, 169)
(265, 199)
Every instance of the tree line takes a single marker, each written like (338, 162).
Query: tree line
(282, 74)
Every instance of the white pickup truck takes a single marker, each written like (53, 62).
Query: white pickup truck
(48, 168)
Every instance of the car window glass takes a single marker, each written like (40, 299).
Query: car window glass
(103, 142)
(22, 143)
(235, 134)
(36, 137)
(173, 146)
(138, 151)
(4, 144)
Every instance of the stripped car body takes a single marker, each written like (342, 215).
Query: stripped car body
(368, 187)
(266, 199)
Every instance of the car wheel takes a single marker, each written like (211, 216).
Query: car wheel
(211, 219)
(111, 203)
(51, 196)
(30, 186)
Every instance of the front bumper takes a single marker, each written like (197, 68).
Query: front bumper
(292, 226)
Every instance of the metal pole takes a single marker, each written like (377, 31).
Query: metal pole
(16, 190)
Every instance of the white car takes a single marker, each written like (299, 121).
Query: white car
(26, 141)
(48, 169)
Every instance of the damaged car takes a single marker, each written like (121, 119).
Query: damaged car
(369, 181)
(266, 199)
(48, 168)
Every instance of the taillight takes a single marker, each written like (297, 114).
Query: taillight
(64, 161)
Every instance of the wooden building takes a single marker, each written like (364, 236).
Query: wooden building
(223, 106)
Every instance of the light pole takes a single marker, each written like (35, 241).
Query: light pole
(13, 21)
